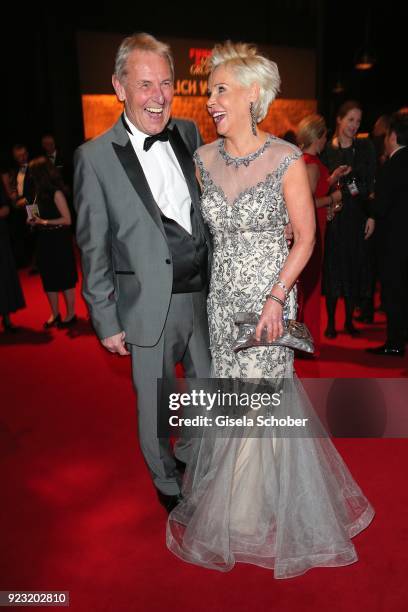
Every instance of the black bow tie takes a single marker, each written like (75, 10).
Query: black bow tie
(150, 140)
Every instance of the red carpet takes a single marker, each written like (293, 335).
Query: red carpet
(78, 512)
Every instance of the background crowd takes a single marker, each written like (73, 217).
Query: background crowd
(358, 251)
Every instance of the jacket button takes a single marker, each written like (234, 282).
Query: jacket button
(168, 261)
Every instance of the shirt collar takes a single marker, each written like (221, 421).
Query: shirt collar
(139, 137)
(395, 150)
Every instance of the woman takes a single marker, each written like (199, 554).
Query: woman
(253, 496)
(346, 264)
(11, 295)
(55, 256)
(311, 138)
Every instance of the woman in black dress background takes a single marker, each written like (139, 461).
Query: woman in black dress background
(55, 255)
(346, 265)
(11, 295)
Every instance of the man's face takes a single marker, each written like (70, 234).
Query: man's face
(48, 144)
(390, 142)
(147, 91)
(20, 155)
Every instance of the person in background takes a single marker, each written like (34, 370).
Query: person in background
(378, 135)
(55, 255)
(312, 138)
(347, 270)
(289, 136)
(11, 295)
(21, 193)
(391, 210)
(366, 305)
(53, 153)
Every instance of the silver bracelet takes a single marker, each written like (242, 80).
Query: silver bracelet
(281, 284)
(275, 299)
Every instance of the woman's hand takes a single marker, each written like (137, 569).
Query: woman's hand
(288, 232)
(339, 172)
(337, 197)
(271, 319)
(369, 228)
(36, 220)
(335, 205)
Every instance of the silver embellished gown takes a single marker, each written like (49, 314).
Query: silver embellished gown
(287, 503)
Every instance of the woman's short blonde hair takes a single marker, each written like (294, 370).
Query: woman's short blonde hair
(249, 67)
(310, 129)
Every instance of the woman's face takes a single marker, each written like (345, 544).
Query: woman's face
(349, 124)
(229, 102)
(321, 142)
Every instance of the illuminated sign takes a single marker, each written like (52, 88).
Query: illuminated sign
(198, 68)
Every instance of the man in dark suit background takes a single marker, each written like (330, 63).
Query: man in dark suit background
(21, 193)
(391, 210)
(144, 243)
(52, 152)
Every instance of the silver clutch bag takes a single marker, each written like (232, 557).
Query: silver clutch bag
(295, 335)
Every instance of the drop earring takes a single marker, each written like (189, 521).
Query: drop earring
(253, 118)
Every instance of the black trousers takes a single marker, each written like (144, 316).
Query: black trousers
(394, 281)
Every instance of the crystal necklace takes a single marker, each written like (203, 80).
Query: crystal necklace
(238, 161)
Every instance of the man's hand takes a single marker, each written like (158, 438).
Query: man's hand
(288, 233)
(116, 344)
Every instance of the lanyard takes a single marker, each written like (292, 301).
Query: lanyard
(353, 151)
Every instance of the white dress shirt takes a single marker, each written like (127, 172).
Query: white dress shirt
(397, 149)
(52, 157)
(165, 178)
(20, 180)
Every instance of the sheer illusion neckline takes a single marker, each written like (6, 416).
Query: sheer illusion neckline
(245, 160)
(248, 190)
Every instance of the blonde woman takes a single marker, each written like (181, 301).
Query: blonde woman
(251, 495)
(311, 138)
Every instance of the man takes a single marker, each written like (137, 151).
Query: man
(366, 304)
(144, 244)
(50, 151)
(20, 184)
(391, 210)
(21, 193)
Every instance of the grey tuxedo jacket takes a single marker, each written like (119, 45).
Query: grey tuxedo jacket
(126, 260)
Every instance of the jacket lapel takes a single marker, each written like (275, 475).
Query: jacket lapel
(131, 165)
(185, 160)
(187, 166)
